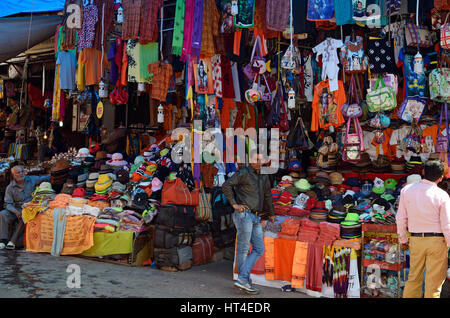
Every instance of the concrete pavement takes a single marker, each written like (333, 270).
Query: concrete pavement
(34, 275)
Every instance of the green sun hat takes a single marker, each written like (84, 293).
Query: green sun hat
(351, 219)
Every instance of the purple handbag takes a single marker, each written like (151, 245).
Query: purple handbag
(442, 141)
(352, 109)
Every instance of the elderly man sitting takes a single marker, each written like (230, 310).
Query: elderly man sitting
(17, 193)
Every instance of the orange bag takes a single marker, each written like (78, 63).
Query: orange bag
(177, 192)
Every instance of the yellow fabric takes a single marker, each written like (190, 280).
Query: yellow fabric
(30, 212)
(78, 235)
(120, 242)
(432, 253)
(81, 81)
(56, 96)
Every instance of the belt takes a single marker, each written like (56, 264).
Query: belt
(426, 234)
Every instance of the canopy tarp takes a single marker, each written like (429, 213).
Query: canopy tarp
(10, 7)
(14, 33)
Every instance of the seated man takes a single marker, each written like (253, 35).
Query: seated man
(18, 192)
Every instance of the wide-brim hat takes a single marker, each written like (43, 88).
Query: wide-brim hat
(103, 183)
(116, 160)
(101, 155)
(60, 166)
(118, 187)
(336, 178)
(321, 177)
(83, 153)
(104, 169)
(79, 193)
(303, 185)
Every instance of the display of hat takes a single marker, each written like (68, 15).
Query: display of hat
(413, 178)
(140, 200)
(101, 155)
(381, 163)
(116, 160)
(303, 185)
(390, 184)
(351, 219)
(321, 177)
(44, 188)
(365, 161)
(378, 186)
(61, 166)
(118, 187)
(123, 176)
(415, 162)
(336, 178)
(295, 176)
(83, 153)
(93, 177)
(162, 173)
(103, 183)
(398, 165)
(285, 198)
(382, 202)
(68, 188)
(353, 182)
(275, 194)
(89, 161)
(287, 179)
(104, 169)
(156, 184)
(319, 212)
(78, 193)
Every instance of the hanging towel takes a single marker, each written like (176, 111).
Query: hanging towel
(59, 227)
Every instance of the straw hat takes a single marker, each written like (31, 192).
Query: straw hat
(103, 183)
(83, 153)
(336, 178)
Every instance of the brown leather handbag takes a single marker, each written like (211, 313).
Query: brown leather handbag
(177, 192)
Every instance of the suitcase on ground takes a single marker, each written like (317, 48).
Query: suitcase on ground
(180, 218)
(165, 237)
(202, 250)
(178, 257)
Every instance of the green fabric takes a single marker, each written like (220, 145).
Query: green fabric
(177, 40)
(148, 54)
(120, 242)
(379, 190)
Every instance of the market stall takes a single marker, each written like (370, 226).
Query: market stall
(132, 118)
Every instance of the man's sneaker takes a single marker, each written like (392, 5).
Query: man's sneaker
(10, 246)
(246, 287)
(2, 246)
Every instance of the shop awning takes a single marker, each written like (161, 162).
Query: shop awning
(10, 7)
(14, 33)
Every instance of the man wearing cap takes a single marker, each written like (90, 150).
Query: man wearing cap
(18, 192)
(424, 212)
(253, 202)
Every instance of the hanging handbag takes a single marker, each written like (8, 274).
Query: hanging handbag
(283, 122)
(439, 83)
(389, 80)
(412, 108)
(413, 140)
(298, 137)
(353, 143)
(380, 121)
(352, 109)
(252, 69)
(442, 141)
(417, 36)
(381, 98)
(445, 34)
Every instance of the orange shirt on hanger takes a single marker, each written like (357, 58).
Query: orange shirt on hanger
(92, 60)
(326, 106)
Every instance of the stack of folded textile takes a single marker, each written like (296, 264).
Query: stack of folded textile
(309, 231)
(289, 229)
(130, 221)
(329, 233)
(60, 201)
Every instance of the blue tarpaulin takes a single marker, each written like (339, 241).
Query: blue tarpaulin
(10, 7)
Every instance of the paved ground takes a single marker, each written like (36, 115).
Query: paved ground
(32, 275)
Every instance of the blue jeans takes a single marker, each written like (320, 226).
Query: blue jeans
(249, 230)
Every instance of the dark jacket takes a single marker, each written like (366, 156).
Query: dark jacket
(251, 189)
